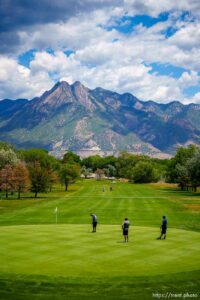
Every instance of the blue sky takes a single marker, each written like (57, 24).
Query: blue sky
(148, 49)
(126, 23)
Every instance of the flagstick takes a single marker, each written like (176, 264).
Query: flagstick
(56, 214)
(56, 217)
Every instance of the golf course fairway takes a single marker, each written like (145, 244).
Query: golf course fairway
(40, 259)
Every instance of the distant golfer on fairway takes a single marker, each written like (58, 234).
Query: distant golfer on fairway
(94, 222)
(163, 228)
(125, 228)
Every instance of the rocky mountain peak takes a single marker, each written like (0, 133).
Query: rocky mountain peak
(76, 117)
(78, 84)
(81, 93)
(58, 96)
(79, 89)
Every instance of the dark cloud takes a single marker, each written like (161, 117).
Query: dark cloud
(18, 15)
(9, 42)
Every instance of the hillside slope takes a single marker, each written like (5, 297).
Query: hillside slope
(73, 117)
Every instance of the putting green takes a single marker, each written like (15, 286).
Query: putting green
(72, 250)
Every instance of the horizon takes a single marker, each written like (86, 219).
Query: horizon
(148, 49)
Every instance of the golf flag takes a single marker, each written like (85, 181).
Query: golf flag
(56, 210)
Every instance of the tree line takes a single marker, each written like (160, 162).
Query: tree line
(184, 168)
(135, 168)
(35, 170)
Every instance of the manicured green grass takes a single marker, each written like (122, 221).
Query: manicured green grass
(143, 204)
(72, 250)
(41, 260)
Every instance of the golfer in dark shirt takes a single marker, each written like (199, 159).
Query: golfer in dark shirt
(125, 228)
(163, 228)
(94, 222)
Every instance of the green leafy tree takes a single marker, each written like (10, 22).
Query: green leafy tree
(107, 161)
(183, 155)
(144, 172)
(182, 176)
(93, 162)
(71, 157)
(69, 173)
(39, 178)
(110, 171)
(86, 171)
(40, 155)
(126, 162)
(193, 166)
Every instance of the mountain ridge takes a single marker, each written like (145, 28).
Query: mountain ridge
(74, 117)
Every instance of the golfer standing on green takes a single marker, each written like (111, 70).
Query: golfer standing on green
(163, 228)
(125, 228)
(94, 222)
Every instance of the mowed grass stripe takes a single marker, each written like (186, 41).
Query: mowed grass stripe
(72, 250)
(143, 204)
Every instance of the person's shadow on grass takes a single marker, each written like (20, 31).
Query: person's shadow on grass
(122, 242)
